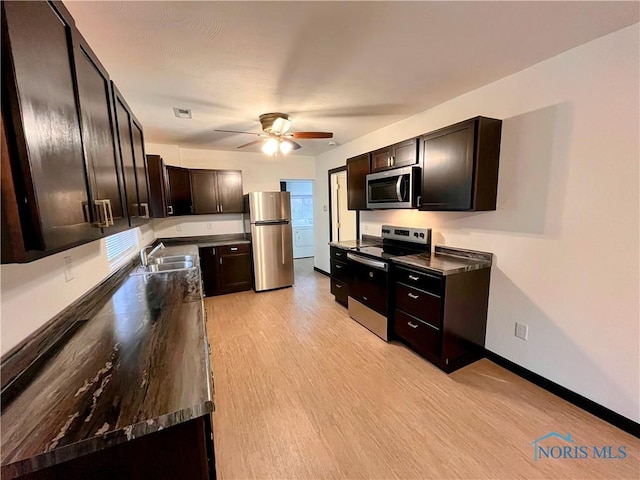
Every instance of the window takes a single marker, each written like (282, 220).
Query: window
(120, 247)
(302, 209)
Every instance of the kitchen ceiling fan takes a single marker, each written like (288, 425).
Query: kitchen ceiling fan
(276, 137)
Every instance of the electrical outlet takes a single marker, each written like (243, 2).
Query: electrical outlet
(179, 227)
(209, 226)
(68, 270)
(324, 208)
(522, 331)
(366, 227)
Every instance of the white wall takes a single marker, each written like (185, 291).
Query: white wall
(33, 293)
(260, 173)
(565, 232)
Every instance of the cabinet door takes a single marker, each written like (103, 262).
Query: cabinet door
(98, 133)
(204, 191)
(179, 191)
(209, 269)
(230, 195)
(447, 168)
(140, 162)
(405, 153)
(234, 272)
(381, 159)
(125, 144)
(357, 170)
(157, 186)
(38, 85)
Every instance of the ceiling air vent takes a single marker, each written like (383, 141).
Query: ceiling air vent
(182, 112)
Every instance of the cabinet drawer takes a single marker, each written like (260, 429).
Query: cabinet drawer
(420, 304)
(338, 254)
(423, 281)
(340, 290)
(424, 338)
(235, 248)
(340, 270)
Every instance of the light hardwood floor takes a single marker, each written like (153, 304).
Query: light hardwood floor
(304, 392)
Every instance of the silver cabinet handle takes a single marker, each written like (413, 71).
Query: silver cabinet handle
(338, 254)
(220, 260)
(108, 202)
(145, 206)
(338, 267)
(338, 286)
(170, 210)
(365, 298)
(412, 325)
(413, 277)
(213, 250)
(415, 297)
(221, 209)
(234, 249)
(105, 215)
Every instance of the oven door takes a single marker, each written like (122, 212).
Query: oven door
(369, 282)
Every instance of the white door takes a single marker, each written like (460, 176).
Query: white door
(343, 220)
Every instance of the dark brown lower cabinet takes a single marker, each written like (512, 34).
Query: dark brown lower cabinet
(226, 268)
(339, 275)
(182, 451)
(443, 318)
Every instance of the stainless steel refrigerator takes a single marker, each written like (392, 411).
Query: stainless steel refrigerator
(267, 218)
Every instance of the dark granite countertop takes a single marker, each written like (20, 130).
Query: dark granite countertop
(138, 364)
(367, 241)
(447, 260)
(207, 240)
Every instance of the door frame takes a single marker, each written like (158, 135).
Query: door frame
(329, 173)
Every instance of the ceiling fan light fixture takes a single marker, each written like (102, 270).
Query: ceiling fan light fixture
(285, 147)
(270, 147)
(280, 125)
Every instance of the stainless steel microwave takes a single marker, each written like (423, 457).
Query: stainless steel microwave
(397, 188)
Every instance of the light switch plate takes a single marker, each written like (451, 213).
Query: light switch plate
(68, 269)
(179, 227)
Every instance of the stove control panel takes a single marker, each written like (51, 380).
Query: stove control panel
(407, 234)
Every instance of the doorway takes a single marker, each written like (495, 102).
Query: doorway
(343, 223)
(301, 216)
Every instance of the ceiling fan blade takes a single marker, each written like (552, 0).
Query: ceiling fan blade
(250, 143)
(310, 135)
(295, 145)
(235, 131)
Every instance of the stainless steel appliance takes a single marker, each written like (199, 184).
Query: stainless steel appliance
(369, 266)
(397, 188)
(267, 219)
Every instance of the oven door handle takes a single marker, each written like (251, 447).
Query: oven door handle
(399, 188)
(370, 263)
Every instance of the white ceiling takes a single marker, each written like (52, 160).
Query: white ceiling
(346, 67)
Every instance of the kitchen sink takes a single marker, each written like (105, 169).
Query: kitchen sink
(164, 267)
(172, 259)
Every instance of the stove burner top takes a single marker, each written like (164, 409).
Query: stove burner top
(387, 252)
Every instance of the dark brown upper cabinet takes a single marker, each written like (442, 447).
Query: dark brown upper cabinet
(132, 160)
(357, 170)
(401, 154)
(41, 119)
(158, 187)
(216, 191)
(178, 191)
(460, 166)
(99, 140)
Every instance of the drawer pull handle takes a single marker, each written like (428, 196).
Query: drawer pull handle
(338, 267)
(415, 297)
(234, 249)
(338, 254)
(365, 298)
(338, 286)
(412, 277)
(413, 325)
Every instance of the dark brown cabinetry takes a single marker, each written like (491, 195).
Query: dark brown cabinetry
(357, 170)
(460, 166)
(157, 186)
(339, 275)
(401, 154)
(98, 135)
(217, 191)
(443, 318)
(178, 191)
(40, 115)
(226, 268)
(133, 161)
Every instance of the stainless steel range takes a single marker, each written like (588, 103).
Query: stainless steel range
(369, 266)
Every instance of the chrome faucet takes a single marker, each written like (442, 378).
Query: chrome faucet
(144, 256)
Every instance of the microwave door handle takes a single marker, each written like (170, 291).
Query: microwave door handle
(399, 188)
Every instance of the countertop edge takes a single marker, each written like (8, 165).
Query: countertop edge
(108, 439)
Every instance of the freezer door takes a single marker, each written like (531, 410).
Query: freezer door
(269, 206)
(272, 256)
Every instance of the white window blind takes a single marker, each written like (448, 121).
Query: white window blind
(121, 245)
